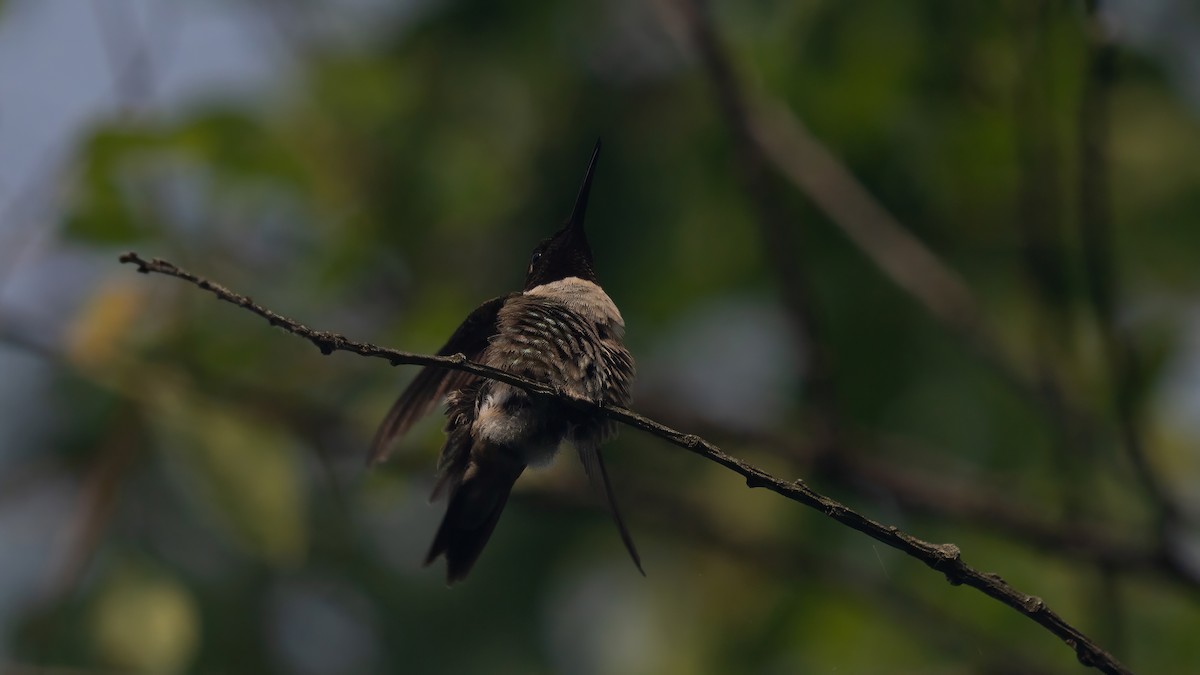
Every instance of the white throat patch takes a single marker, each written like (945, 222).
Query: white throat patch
(583, 297)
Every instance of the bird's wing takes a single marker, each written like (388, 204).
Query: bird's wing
(593, 465)
(433, 383)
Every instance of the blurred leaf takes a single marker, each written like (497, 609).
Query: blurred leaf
(244, 472)
(97, 336)
(101, 212)
(129, 175)
(236, 145)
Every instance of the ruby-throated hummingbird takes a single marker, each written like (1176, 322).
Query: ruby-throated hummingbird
(563, 330)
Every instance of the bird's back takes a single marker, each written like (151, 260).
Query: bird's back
(567, 335)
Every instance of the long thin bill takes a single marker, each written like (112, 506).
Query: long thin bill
(580, 210)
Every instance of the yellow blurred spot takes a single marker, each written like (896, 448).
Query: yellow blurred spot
(146, 625)
(95, 339)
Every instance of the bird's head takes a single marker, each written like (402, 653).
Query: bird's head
(567, 253)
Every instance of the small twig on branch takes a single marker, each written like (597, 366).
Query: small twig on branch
(943, 558)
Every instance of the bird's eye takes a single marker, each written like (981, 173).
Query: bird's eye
(537, 255)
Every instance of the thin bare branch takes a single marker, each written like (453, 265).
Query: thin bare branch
(695, 523)
(859, 464)
(943, 558)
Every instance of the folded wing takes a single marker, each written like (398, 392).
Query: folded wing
(433, 383)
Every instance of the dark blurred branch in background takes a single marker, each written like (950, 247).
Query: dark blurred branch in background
(1040, 220)
(1102, 281)
(943, 558)
(778, 135)
(906, 261)
(960, 499)
(98, 501)
(16, 333)
(695, 523)
(766, 130)
(781, 236)
(782, 138)
(130, 60)
(1095, 219)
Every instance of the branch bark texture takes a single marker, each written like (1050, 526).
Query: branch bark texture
(943, 558)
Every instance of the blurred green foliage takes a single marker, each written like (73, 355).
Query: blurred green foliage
(392, 185)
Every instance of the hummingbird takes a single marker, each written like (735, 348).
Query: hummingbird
(562, 329)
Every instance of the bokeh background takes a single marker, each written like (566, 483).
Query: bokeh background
(939, 259)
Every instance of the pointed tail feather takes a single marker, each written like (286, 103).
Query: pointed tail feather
(475, 508)
(593, 465)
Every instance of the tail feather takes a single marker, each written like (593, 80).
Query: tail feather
(593, 466)
(475, 507)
